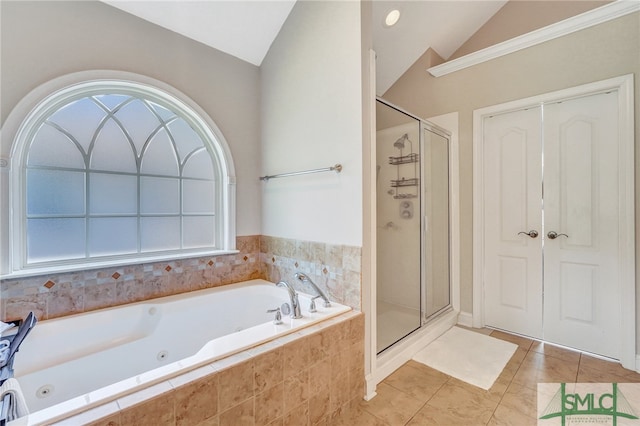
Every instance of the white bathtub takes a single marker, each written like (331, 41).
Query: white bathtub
(84, 360)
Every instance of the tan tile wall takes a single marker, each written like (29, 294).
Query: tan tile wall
(58, 295)
(335, 268)
(305, 379)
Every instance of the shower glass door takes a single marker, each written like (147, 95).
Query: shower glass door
(399, 295)
(435, 205)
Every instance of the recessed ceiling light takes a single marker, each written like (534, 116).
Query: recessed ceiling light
(392, 18)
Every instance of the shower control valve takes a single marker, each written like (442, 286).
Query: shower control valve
(406, 209)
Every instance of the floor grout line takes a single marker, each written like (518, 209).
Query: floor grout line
(510, 383)
(540, 356)
(578, 371)
(420, 409)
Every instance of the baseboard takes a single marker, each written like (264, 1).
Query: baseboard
(465, 319)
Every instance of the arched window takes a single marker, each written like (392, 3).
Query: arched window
(115, 171)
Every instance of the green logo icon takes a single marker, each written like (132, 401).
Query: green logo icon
(565, 404)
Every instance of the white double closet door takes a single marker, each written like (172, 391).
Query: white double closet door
(551, 223)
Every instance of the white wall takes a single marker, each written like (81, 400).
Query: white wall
(41, 41)
(311, 117)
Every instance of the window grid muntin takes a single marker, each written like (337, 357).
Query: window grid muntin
(148, 101)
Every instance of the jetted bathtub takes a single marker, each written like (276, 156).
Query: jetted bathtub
(79, 361)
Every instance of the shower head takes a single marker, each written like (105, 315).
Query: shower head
(400, 142)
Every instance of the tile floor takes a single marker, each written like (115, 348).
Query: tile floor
(419, 395)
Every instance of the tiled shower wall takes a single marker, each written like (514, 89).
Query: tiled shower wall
(335, 268)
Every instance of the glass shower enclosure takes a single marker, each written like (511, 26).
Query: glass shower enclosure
(412, 210)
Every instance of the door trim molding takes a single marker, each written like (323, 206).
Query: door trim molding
(624, 86)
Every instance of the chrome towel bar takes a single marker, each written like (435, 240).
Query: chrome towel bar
(337, 168)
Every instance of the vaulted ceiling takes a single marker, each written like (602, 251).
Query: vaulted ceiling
(242, 28)
(441, 25)
(246, 28)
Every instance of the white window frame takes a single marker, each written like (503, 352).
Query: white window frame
(47, 98)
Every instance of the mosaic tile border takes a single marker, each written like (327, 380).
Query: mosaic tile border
(335, 268)
(58, 295)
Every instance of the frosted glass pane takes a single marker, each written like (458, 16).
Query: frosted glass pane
(55, 192)
(199, 166)
(80, 118)
(112, 101)
(162, 111)
(113, 194)
(187, 140)
(198, 196)
(160, 233)
(112, 150)
(160, 157)
(159, 195)
(55, 239)
(50, 147)
(139, 121)
(111, 236)
(199, 231)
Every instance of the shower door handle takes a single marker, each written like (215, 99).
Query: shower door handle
(533, 233)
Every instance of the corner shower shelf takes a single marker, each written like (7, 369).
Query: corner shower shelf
(402, 180)
(397, 183)
(403, 196)
(404, 159)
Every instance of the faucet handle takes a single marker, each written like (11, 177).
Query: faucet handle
(278, 318)
(312, 305)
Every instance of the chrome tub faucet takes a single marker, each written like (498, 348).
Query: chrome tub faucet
(295, 303)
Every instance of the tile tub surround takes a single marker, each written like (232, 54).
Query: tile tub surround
(306, 378)
(335, 268)
(51, 296)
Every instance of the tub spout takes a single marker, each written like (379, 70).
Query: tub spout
(295, 303)
(304, 277)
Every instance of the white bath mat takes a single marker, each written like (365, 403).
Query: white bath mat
(468, 356)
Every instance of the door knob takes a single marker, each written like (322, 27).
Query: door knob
(553, 235)
(533, 233)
